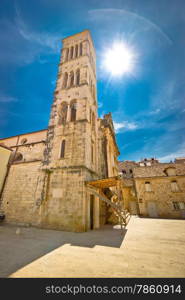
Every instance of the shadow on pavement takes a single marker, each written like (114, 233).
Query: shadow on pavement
(18, 250)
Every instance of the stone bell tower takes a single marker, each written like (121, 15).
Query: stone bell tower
(71, 150)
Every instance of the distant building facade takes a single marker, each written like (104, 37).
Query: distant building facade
(154, 189)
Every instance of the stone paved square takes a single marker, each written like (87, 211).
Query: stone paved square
(147, 248)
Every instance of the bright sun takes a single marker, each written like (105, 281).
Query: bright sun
(119, 59)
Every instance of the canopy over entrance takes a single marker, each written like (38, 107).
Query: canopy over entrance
(104, 183)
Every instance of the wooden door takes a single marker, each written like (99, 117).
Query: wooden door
(152, 210)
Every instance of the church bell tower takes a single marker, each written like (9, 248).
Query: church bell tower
(71, 150)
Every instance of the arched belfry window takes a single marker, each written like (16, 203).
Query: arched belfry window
(72, 51)
(73, 107)
(76, 51)
(78, 77)
(64, 86)
(81, 49)
(62, 150)
(63, 114)
(71, 78)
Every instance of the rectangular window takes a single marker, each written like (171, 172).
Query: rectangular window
(148, 187)
(174, 186)
(176, 205)
(73, 112)
(181, 205)
(92, 153)
(62, 151)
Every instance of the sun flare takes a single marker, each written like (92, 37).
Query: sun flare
(119, 60)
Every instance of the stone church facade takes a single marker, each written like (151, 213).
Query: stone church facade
(48, 170)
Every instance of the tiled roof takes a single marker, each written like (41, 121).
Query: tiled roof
(158, 170)
(126, 164)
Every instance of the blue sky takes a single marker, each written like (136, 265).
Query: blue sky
(148, 106)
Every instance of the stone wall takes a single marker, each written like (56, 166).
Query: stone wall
(128, 196)
(66, 205)
(22, 190)
(31, 152)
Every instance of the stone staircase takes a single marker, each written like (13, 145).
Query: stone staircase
(122, 214)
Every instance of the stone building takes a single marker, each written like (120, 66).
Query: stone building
(46, 185)
(5, 154)
(154, 189)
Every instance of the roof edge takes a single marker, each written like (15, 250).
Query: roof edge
(9, 137)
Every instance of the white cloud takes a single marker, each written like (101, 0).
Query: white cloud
(53, 82)
(179, 153)
(100, 104)
(102, 114)
(125, 125)
(155, 112)
(42, 39)
(168, 97)
(165, 148)
(111, 14)
(30, 44)
(6, 98)
(51, 41)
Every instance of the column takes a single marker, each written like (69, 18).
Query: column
(68, 113)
